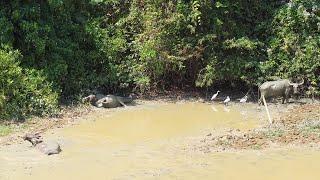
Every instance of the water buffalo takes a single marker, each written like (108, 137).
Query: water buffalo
(48, 148)
(108, 101)
(282, 87)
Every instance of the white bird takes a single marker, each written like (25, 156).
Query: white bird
(244, 99)
(226, 101)
(215, 95)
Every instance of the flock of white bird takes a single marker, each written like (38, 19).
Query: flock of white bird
(227, 100)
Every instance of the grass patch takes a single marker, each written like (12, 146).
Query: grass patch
(8, 128)
(315, 126)
(5, 130)
(274, 133)
(256, 147)
(312, 127)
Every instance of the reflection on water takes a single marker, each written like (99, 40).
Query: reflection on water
(226, 109)
(214, 108)
(143, 142)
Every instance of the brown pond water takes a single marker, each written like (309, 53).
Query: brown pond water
(148, 142)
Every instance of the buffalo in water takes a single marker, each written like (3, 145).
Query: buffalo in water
(47, 148)
(280, 88)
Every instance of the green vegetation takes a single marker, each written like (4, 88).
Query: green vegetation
(53, 51)
(274, 133)
(313, 127)
(5, 130)
(23, 91)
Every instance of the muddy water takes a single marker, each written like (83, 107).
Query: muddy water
(145, 142)
(158, 122)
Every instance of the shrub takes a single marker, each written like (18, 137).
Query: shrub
(23, 92)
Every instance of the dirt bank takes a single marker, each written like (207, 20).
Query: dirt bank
(67, 116)
(298, 126)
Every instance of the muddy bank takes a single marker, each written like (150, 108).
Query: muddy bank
(67, 116)
(297, 126)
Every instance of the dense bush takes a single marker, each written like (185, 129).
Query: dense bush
(23, 91)
(207, 43)
(178, 43)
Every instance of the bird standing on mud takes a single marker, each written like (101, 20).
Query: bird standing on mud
(226, 101)
(215, 96)
(244, 99)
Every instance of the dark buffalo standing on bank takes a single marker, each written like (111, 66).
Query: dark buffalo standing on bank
(279, 88)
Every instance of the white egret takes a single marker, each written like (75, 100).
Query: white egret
(227, 100)
(215, 95)
(244, 99)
